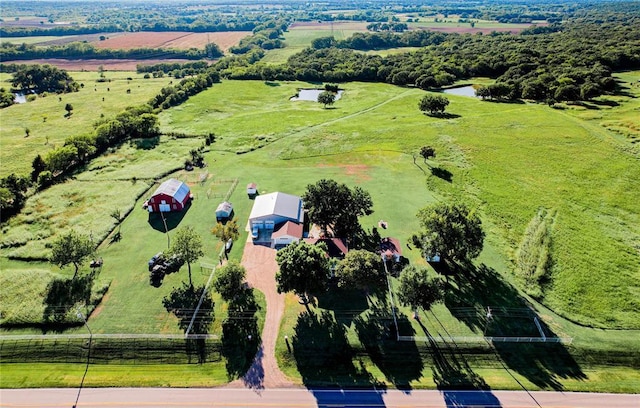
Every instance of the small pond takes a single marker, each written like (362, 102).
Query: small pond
(311, 95)
(462, 91)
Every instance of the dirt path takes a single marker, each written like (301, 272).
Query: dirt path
(261, 271)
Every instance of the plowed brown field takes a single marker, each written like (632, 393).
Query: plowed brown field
(173, 39)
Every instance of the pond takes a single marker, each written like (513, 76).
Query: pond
(311, 95)
(461, 91)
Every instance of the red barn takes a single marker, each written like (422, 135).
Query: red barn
(172, 195)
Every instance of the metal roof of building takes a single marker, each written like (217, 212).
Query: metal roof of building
(280, 204)
(173, 188)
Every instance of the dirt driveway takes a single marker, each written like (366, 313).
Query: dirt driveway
(261, 267)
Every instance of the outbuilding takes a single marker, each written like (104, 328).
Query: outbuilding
(252, 189)
(224, 211)
(172, 195)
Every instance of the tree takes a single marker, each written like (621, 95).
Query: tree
(361, 269)
(38, 166)
(304, 269)
(116, 214)
(69, 108)
(418, 290)
(335, 206)
(226, 231)
(433, 103)
(187, 244)
(483, 92)
(71, 248)
(326, 98)
(228, 280)
(451, 230)
(426, 152)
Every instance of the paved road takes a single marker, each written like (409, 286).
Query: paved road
(226, 397)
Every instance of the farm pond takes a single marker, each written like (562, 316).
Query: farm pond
(311, 95)
(461, 91)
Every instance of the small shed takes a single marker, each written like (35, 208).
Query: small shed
(390, 249)
(224, 211)
(172, 195)
(252, 189)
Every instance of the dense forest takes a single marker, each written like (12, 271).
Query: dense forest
(565, 62)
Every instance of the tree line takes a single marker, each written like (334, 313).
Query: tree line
(572, 64)
(81, 50)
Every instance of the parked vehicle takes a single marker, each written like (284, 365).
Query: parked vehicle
(156, 259)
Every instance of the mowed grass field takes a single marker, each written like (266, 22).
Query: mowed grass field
(509, 159)
(46, 121)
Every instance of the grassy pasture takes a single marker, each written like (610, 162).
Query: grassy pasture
(300, 36)
(497, 153)
(453, 26)
(45, 117)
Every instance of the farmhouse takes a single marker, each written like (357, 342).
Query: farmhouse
(270, 212)
(224, 211)
(286, 234)
(172, 195)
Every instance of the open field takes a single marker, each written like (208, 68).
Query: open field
(147, 39)
(495, 155)
(45, 117)
(451, 25)
(107, 64)
(301, 34)
(489, 165)
(173, 39)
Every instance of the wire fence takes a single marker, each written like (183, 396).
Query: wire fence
(111, 349)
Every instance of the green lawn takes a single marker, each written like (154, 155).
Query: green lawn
(46, 121)
(510, 160)
(298, 38)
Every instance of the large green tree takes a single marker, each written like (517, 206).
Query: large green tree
(361, 269)
(418, 290)
(228, 281)
(187, 244)
(326, 98)
(337, 207)
(452, 230)
(43, 78)
(226, 231)
(433, 104)
(71, 248)
(304, 269)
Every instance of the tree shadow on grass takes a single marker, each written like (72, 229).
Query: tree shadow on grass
(147, 143)
(469, 299)
(324, 358)
(369, 240)
(63, 299)
(241, 341)
(442, 173)
(172, 219)
(443, 115)
(400, 362)
(183, 302)
(346, 304)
